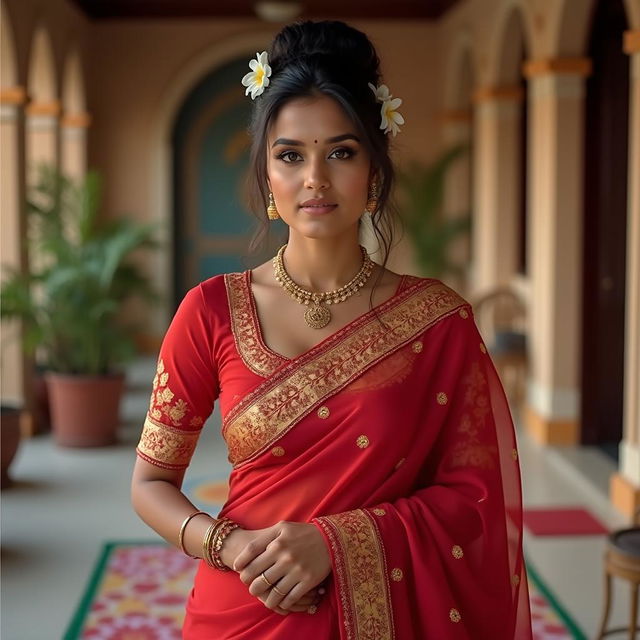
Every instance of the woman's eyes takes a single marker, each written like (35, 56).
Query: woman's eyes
(345, 152)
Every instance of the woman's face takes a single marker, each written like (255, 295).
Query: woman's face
(304, 163)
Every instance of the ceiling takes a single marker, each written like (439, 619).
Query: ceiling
(312, 9)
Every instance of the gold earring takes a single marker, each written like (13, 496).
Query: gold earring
(272, 210)
(372, 201)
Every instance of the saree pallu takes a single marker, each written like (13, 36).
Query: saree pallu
(392, 436)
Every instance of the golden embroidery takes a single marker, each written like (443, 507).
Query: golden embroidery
(284, 399)
(457, 552)
(514, 454)
(417, 346)
(390, 371)
(397, 574)
(165, 446)
(312, 609)
(277, 451)
(379, 512)
(163, 402)
(323, 412)
(454, 615)
(245, 327)
(362, 442)
(399, 463)
(464, 313)
(471, 450)
(483, 348)
(442, 398)
(360, 571)
(515, 580)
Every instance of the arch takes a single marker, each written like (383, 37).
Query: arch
(161, 177)
(513, 40)
(460, 72)
(9, 67)
(73, 85)
(41, 78)
(571, 22)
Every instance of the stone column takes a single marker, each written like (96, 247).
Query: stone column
(496, 186)
(625, 485)
(42, 135)
(556, 132)
(457, 129)
(74, 144)
(12, 363)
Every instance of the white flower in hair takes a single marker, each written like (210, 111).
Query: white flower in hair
(382, 92)
(390, 118)
(258, 79)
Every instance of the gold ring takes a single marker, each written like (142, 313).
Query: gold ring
(265, 579)
(278, 591)
(312, 609)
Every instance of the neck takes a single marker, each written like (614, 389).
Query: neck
(322, 264)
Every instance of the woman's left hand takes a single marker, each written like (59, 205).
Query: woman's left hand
(293, 556)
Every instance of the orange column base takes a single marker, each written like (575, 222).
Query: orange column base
(624, 495)
(555, 432)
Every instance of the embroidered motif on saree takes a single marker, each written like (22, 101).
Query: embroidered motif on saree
(168, 446)
(295, 390)
(165, 446)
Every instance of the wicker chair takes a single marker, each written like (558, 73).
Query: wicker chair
(622, 560)
(501, 316)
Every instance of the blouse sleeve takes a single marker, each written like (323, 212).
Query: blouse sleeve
(185, 387)
(445, 561)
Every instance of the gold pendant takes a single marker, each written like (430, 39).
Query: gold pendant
(317, 316)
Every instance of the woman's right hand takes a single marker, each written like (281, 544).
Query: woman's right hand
(236, 541)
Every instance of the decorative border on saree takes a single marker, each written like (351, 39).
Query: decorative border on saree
(243, 327)
(165, 446)
(361, 574)
(279, 403)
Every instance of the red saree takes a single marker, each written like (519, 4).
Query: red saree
(396, 442)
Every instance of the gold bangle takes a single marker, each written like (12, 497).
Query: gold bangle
(182, 529)
(207, 541)
(218, 540)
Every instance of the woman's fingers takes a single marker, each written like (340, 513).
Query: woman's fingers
(254, 549)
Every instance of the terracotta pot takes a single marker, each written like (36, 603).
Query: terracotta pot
(10, 439)
(84, 409)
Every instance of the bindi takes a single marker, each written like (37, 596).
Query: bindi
(316, 141)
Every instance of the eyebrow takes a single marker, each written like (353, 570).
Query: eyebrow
(298, 143)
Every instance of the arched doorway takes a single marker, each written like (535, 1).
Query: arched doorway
(210, 147)
(605, 229)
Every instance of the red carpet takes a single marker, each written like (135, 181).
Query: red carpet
(562, 522)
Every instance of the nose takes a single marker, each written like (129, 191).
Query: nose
(316, 176)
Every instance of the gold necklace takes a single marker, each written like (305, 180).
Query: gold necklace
(317, 314)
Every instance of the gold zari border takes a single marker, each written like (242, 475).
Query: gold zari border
(165, 446)
(253, 355)
(295, 390)
(361, 574)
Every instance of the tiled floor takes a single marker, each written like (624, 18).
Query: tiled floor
(65, 503)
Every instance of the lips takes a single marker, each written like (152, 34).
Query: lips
(316, 208)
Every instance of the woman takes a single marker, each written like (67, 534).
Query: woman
(375, 490)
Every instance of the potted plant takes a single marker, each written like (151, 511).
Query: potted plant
(71, 300)
(422, 191)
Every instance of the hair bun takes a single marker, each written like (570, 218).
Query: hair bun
(331, 42)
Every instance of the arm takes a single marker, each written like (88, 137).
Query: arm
(185, 388)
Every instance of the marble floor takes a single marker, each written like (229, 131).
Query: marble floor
(65, 503)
